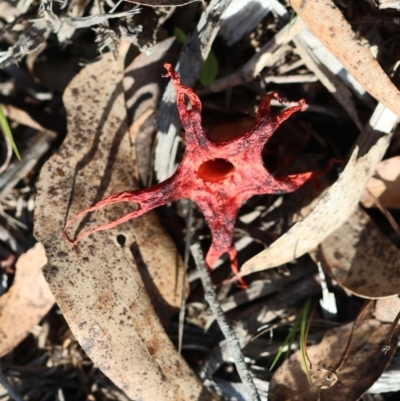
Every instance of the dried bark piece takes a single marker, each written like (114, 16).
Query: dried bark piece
(26, 302)
(362, 366)
(100, 289)
(361, 258)
(218, 176)
(327, 23)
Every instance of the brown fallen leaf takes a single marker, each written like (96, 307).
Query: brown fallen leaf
(338, 203)
(99, 288)
(361, 258)
(362, 366)
(385, 185)
(327, 23)
(26, 302)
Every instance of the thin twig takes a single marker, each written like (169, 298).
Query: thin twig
(229, 334)
(188, 238)
(6, 384)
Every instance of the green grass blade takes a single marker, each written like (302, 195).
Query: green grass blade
(4, 126)
(301, 321)
(288, 342)
(303, 344)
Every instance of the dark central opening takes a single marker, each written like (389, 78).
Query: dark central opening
(215, 170)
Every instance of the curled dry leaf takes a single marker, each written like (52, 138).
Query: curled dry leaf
(327, 23)
(361, 258)
(385, 185)
(338, 203)
(362, 366)
(26, 302)
(100, 287)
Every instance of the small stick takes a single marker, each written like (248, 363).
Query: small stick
(229, 334)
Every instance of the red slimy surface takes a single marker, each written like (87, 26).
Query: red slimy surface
(218, 176)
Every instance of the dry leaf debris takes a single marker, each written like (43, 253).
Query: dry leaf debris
(357, 374)
(26, 302)
(361, 258)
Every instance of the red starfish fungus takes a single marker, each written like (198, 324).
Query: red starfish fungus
(218, 176)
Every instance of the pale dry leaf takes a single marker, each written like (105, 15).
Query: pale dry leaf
(362, 366)
(361, 258)
(99, 288)
(338, 203)
(26, 302)
(384, 185)
(162, 3)
(328, 24)
(386, 309)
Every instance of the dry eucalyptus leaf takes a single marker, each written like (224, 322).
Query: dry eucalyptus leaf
(361, 258)
(338, 203)
(26, 302)
(331, 28)
(385, 185)
(362, 367)
(386, 309)
(99, 288)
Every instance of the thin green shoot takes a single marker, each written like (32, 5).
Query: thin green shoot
(303, 337)
(5, 127)
(300, 322)
(293, 16)
(287, 343)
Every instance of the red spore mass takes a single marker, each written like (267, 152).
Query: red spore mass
(218, 176)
